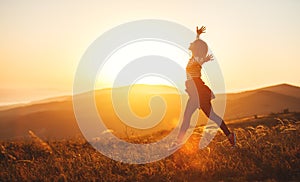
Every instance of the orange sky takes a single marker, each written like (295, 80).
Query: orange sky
(41, 42)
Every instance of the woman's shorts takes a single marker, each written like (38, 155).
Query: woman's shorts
(197, 90)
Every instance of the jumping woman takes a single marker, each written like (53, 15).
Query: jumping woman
(200, 95)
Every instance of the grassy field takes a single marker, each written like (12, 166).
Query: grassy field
(268, 149)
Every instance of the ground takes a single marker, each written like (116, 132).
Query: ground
(268, 149)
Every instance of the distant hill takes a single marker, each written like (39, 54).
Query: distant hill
(284, 89)
(51, 120)
(54, 118)
(263, 101)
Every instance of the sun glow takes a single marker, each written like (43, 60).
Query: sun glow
(137, 49)
(154, 80)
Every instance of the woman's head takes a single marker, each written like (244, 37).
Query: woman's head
(199, 48)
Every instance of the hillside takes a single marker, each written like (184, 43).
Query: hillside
(51, 120)
(54, 118)
(284, 89)
(260, 101)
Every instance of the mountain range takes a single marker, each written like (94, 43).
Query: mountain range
(54, 118)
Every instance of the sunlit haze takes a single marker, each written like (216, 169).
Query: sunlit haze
(256, 43)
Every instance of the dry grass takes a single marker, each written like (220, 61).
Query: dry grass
(268, 149)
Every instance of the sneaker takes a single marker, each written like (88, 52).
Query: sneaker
(232, 139)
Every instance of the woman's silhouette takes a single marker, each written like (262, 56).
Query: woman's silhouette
(199, 94)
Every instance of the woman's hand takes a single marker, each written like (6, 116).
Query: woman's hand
(209, 57)
(201, 30)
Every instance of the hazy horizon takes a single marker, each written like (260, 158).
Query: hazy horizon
(13, 98)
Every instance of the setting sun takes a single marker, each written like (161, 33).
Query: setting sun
(140, 48)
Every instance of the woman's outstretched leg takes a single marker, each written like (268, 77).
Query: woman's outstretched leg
(209, 112)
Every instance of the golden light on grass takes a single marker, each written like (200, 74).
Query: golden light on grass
(273, 156)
